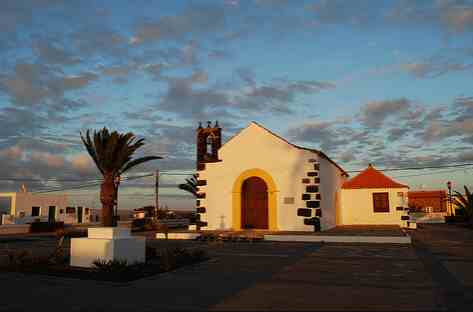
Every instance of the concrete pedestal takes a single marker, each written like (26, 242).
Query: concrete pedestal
(107, 243)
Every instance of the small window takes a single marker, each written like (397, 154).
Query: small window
(35, 210)
(70, 210)
(380, 202)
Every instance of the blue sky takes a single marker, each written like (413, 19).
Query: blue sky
(382, 82)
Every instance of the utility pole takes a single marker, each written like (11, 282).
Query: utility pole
(449, 186)
(156, 189)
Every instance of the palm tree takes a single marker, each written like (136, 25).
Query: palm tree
(465, 203)
(112, 154)
(190, 185)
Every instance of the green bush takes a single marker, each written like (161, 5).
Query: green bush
(173, 258)
(26, 259)
(456, 219)
(103, 265)
(38, 227)
(150, 253)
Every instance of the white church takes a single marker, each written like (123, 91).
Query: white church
(258, 180)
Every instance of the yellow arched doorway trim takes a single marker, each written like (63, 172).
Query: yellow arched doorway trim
(272, 197)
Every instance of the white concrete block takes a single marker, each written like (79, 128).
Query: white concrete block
(108, 232)
(84, 251)
(178, 235)
(107, 243)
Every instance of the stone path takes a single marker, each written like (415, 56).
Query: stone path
(433, 274)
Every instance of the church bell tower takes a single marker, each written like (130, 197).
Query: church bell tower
(209, 140)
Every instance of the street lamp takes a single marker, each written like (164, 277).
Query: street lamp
(449, 186)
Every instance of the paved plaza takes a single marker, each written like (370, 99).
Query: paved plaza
(435, 273)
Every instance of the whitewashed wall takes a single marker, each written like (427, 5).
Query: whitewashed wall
(330, 188)
(358, 206)
(255, 148)
(24, 202)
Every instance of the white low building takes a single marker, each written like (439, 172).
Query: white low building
(258, 180)
(29, 206)
(373, 198)
(26, 207)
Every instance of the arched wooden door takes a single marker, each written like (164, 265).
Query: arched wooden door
(254, 204)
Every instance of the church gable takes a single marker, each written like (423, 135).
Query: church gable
(256, 136)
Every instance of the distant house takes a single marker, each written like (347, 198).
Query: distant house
(373, 198)
(26, 207)
(428, 201)
(144, 212)
(33, 206)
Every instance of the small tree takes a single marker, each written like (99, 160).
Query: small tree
(465, 203)
(112, 154)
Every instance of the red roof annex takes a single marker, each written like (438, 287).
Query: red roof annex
(371, 178)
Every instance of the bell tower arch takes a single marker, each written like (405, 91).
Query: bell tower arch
(209, 140)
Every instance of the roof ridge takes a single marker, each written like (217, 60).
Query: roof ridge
(372, 178)
(318, 152)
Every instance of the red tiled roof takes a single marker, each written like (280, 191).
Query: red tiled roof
(371, 178)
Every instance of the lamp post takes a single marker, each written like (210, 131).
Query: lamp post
(449, 186)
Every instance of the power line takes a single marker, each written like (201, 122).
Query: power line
(419, 168)
(79, 180)
(428, 173)
(47, 180)
(98, 181)
(89, 185)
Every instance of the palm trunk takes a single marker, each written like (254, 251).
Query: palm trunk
(107, 197)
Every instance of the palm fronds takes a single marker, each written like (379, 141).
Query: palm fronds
(464, 202)
(112, 152)
(190, 185)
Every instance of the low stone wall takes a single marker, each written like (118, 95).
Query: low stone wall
(174, 223)
(340, 239)
(428, 217)
(8, 229)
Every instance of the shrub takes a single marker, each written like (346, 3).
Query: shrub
(114, 266)
(75, 232)
(24, 259)
(455, 219)
(173, 258)
(38, 227)
(151, 253)
(18, 258)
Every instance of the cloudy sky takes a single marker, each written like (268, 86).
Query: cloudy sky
(382, 82)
